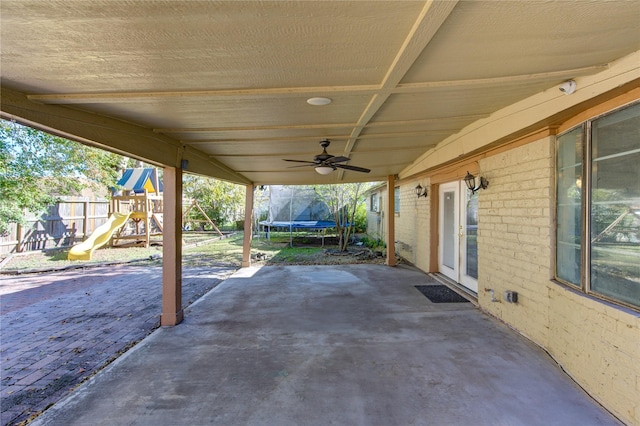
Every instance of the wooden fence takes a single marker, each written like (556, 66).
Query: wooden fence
(62, 225)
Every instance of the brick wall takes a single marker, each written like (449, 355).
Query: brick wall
(597, 343)
(514, 235)
(412, 225)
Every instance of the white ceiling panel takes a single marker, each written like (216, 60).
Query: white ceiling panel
(227, 81)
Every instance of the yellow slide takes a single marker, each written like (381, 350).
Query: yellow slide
(98, 238)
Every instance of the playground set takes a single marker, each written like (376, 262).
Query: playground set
(188, 216)
(136, 214)
(141, 197)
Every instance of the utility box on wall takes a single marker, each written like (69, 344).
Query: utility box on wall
(511, 296)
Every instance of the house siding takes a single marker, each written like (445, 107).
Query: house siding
(514, 231)
(595, 342)
(375, 220)
(412, 225)
(598, 344)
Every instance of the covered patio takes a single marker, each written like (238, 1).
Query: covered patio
(420, 93)
(234, 90)
(321, 345)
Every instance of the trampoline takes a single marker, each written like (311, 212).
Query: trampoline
(312, 225)
(294, 209)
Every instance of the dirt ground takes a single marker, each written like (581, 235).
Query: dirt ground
(312, 250)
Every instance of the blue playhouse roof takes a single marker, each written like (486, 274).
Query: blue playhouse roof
(137, 180)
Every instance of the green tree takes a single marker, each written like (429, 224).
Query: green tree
(343, 201)
(222, 201)
(360, 221)
(36, 168)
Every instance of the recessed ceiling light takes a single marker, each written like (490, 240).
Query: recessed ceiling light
(318, 101)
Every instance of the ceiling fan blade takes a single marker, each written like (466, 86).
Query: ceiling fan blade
(299, 161)
(302, 165)
(337, 159)
(327, 160)
(354, 168)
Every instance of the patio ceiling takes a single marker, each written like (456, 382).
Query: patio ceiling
(225, 84)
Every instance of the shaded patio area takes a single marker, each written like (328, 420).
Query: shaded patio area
(320, 345)
(59, 328)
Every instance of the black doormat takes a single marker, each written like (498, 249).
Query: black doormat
(441, 294)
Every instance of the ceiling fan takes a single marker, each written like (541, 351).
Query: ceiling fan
(326, 163)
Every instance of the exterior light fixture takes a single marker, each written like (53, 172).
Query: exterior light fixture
(568, 87)
(319, 101)
(324, 170)
(421, 192)
(470, 181)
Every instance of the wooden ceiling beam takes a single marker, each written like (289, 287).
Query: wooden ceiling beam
(112, 135)
(385, 88)
(115, 97)
(425, 27)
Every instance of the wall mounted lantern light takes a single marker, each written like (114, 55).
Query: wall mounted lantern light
(421, 192)
(470, 181)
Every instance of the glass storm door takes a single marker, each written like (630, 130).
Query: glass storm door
(469, 239)
(449, 241)
(458, 244)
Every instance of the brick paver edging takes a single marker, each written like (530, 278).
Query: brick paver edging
(58, 329)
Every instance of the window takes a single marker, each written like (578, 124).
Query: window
(598, 206)
(375, 203)
(396, 198)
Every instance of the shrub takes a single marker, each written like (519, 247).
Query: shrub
(374, 242)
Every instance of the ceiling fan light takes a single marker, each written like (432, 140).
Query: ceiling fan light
(319, 101)
(324, 170)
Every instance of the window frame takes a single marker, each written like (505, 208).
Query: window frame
(374, 203)
(584, 286)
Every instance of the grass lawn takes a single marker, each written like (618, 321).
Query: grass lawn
(201, 250)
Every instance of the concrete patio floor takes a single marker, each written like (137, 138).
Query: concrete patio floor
(326, 345)
(59, 328)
